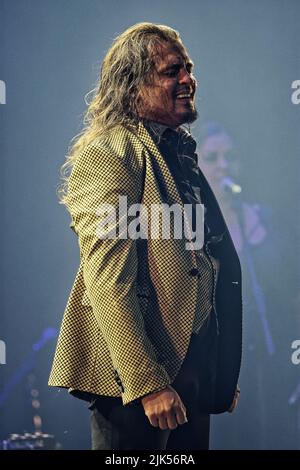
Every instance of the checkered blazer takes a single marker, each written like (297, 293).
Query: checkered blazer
(129, 317)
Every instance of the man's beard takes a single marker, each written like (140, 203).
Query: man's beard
(190, 116)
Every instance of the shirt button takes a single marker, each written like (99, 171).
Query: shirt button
(194, 272)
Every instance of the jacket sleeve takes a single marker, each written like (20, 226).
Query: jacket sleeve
(110, 266)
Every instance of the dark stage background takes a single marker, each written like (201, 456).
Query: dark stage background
(246, 57)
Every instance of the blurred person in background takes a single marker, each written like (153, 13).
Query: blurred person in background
(264, 419)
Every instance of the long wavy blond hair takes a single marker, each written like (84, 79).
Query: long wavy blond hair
(126, 67)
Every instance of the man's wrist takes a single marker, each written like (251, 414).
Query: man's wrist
(139, 399)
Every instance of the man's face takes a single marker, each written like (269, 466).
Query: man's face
(169, 98)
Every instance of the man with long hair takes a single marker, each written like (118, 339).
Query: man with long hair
(151, 335)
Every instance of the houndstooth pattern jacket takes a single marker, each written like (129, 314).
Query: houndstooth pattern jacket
(129, 316)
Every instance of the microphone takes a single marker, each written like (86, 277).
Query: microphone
(229, 184)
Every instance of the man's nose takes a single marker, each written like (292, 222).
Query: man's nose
(185, 77)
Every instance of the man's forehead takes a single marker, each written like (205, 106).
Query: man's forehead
(170, 53)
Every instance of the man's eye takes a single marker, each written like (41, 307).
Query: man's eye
(171, 73)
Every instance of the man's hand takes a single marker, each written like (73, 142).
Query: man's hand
(164, 408)
(235, 400)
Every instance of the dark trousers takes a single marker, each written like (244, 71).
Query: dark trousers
(118, 427)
